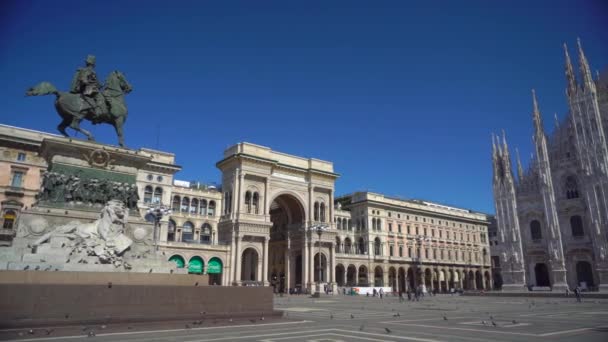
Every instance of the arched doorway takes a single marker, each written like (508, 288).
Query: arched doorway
(285, 261)
(195, 265)
(584, 274)
(488, 280)
(178, 260)
(402, 279)
(471, 280)
(362, 277)
(442, 281)
(478, 280)
(542, 275)
(340, 273)
(249, 266)
(378, 276)
(497, 281)
(451, 279)
(215, 269)
(392, 279)
(322, 271)
(411, 279)
(428, 279)
(351, 275)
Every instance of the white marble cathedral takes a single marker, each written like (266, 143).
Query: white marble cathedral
(553, 219)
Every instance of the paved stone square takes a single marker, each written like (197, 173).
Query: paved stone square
(346, 318)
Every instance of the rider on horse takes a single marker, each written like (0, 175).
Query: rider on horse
(86, 84)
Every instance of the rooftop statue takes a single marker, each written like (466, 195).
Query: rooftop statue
(89, 100)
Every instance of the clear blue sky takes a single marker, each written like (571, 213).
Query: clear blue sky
(402, 96)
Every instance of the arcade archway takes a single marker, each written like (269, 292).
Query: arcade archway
(285, 245)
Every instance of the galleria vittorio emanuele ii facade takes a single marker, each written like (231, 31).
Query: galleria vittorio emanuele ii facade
(254, 228)
(553, 217)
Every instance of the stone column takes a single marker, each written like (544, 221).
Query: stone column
(237, 260)
(265, 262)
(331, 208)
(287, 267)
(310, 204)
(240, 195)
(311, 262)
(305, 263)
(266, 197)
(385, 277)
(331, 272)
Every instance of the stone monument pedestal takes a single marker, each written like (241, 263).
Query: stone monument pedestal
(86, 218)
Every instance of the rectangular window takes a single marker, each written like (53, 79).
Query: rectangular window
(400, 251)
(409, 230)
(399, 228)
(426, 253)
(390, 248)
(390, 227)
(21, 156)
(425, 232)
(17, 180)
(409, 252)
(417, 231)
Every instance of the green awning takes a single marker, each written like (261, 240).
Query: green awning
(178, 261)
(214, 266)
(195, 265)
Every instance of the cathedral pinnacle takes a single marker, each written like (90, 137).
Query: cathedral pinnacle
(520, 169)
(570, 77)
(584, 66)
(538, 122)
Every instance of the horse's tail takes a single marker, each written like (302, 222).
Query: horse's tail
(42, 88)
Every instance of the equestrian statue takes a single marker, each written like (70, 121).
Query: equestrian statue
(89, 100)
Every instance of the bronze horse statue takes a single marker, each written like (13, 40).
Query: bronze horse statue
(73, 108)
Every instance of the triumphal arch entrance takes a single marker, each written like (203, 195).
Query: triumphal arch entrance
(271, 199)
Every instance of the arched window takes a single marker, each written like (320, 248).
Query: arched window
(256, 203)
(176, 202)
(379, 223)
(8, 219)
(185, 205)
(148, 194)
(377, 247)
(248, 201)
(374, 223)
(171, 231)
(363, 225)
(349, 225)
(187, 232)
(347, 246)
(571, 187)
(535, 230)
(400, 251)
(322, 212)
(206, 233)
(194, 206)
(158, 195)
(361, 247)
(316, 213)
(203, 207)
(211, 210)
(338, 245)
(576, 225)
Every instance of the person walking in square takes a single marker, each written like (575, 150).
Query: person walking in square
(577, 293)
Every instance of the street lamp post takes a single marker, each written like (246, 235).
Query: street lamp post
(319, 229)
(157, 213)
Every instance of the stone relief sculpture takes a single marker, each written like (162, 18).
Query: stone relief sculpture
(60, 188)
(103, 238)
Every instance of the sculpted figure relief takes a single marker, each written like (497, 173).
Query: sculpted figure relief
(89, 100)
(103, 238)
(60, 188)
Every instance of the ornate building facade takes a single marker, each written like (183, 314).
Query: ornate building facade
(553, 217)
(255, 229)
